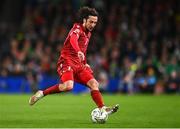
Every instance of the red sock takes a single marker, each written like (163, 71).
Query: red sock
(97, 97)
(52, 90)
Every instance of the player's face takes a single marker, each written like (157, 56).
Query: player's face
(90, 23)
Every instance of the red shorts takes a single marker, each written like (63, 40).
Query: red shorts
(81, 74)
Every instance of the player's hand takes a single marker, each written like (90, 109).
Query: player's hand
(81, 55)
(88, 68)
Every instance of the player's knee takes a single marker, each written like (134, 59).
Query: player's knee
(94, 85)
(67, 86)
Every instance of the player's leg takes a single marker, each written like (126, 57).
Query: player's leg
(87, 78)
(95, 93)
(97, 97)
(67, 85)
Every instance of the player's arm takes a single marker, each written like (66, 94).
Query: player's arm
(74, 42)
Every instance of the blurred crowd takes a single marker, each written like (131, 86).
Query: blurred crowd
(135, 41)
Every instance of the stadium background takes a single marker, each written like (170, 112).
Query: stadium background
(134, 49)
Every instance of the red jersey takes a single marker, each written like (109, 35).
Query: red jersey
(68, 52)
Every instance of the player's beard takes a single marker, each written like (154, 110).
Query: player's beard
(90, 28)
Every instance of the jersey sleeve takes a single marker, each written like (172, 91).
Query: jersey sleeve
(74, 36)
(76, 30)
(74, 42)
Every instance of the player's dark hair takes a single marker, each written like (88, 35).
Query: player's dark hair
(85, 12)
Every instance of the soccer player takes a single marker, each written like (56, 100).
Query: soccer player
(72, 65)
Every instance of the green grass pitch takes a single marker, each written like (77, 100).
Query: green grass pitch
(73, 111)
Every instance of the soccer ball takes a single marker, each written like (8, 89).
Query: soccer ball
(99, 116)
